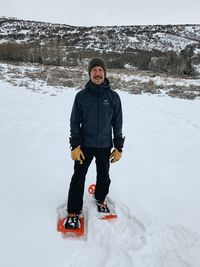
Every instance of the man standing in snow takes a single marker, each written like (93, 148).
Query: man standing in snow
(95, 125)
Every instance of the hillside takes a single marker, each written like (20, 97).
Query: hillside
(168, 48)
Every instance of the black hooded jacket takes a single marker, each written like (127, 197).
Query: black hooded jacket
(96, 117)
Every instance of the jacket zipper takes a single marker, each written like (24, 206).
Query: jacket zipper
(98, 117)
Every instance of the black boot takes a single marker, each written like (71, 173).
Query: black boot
(72, 221)
(102, 207)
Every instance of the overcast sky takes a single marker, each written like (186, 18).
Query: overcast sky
(104, 12)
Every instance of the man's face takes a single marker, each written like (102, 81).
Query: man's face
(97, 75)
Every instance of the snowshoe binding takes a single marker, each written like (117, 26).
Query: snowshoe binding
(104, 212)
(72, 225)
(72, 221)
(102, 207)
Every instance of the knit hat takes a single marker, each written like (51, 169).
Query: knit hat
(97, 61)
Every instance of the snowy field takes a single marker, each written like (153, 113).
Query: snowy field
(155, 186)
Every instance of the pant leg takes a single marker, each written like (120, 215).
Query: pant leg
(102, 156)
(76, 189)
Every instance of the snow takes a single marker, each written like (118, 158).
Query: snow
(155, 186)
(158, 80)
(133, 39)
(176, 43)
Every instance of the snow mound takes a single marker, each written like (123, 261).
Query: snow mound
(125, 241)
(107, 241)
(123, 233)
(167, 246)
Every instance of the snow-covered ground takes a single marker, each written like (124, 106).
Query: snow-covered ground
(155, 186)
(37, 77)
(158, 80)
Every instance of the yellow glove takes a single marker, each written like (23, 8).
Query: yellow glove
(115, 155)
(77, 154)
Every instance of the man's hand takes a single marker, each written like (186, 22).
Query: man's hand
(115, 155)
(77, 154)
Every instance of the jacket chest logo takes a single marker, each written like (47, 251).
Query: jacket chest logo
(106, 102)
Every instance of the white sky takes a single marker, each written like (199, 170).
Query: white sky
(104, 12)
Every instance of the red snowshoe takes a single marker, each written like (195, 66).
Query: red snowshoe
(77, 232)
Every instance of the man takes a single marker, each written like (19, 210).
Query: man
(96, 113)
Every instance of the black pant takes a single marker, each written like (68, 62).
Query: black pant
(76, 190)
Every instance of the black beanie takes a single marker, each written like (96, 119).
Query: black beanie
(97, 61)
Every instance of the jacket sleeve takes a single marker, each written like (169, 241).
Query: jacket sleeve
(117, 122)
(75, 124)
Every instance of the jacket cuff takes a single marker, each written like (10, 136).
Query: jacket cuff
(74, 142)
(119, 143)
